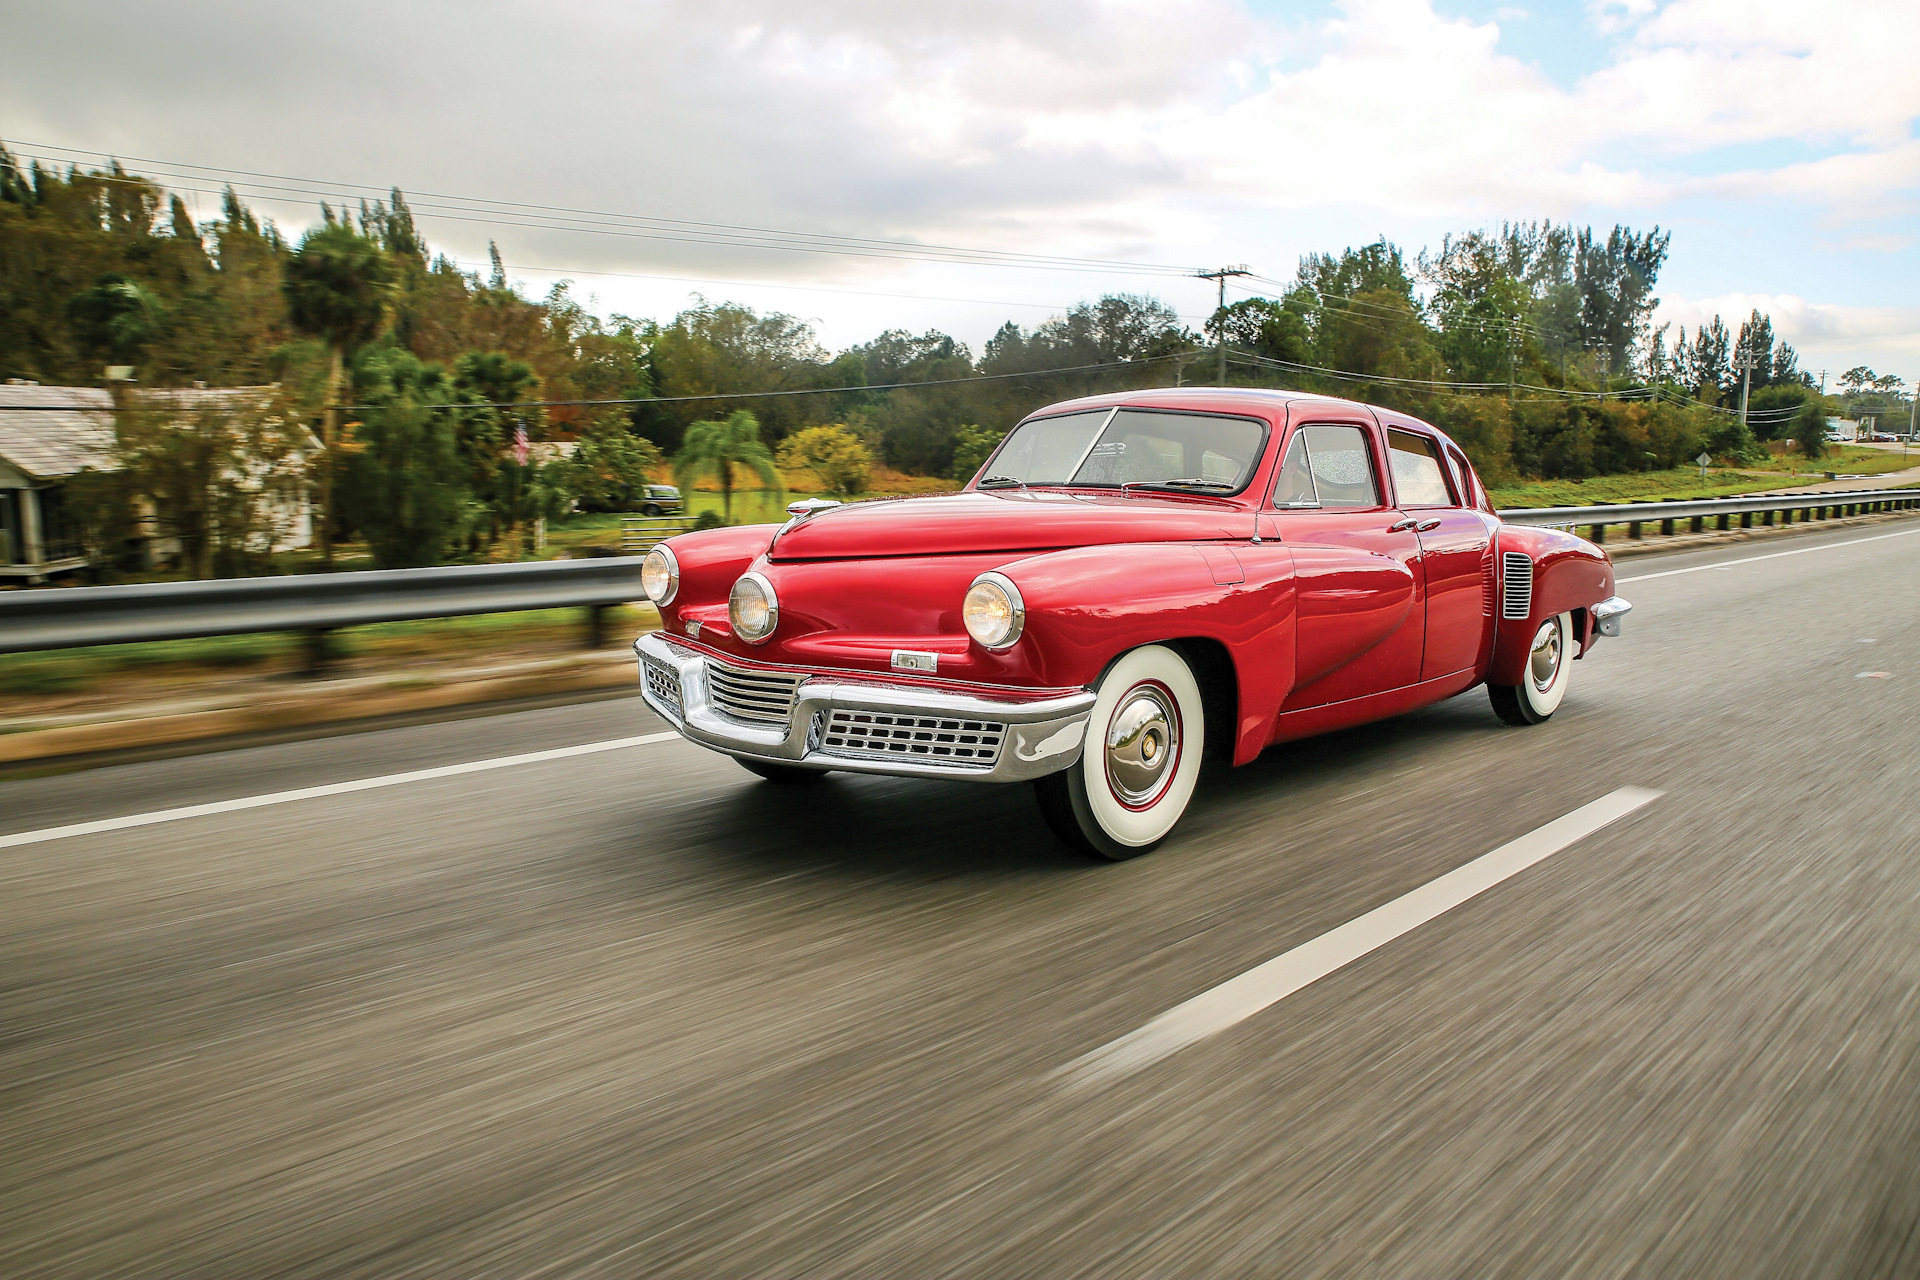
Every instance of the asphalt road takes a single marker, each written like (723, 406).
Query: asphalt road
(634, 1013)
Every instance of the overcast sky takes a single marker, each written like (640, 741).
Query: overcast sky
(1775, 138)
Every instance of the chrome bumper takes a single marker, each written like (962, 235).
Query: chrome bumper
(1608, 614)
(1040, 737)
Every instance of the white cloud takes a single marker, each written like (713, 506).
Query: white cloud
(1820, 331)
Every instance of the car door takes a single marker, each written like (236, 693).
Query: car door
(1456, 545)
(1360, 620)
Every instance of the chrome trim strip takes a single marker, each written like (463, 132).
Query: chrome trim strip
(1041, 736)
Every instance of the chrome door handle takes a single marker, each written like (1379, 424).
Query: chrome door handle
(1426, 525)
(1401, 526)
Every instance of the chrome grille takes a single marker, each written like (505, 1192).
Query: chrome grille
(888, 734)
(763, 697)
(1516, 600)
(663, 683)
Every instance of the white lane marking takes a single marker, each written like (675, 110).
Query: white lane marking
(329, 789)
(1772, 555)
(1238, 999)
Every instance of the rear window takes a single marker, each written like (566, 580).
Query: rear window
(1418, 480)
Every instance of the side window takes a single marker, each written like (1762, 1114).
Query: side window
(1471, 495)
(1341, 466)
(1294, 488)
(1418, 480)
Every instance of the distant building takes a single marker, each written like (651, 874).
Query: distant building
(50, 434)
(47, 434)
(1843, 429)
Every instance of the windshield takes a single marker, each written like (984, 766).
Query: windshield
(1106, 448)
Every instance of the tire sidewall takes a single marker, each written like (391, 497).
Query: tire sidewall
(1116, 829)
(1542, 704)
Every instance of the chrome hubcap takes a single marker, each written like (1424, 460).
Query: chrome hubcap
(1143, 741)
(1544, 664)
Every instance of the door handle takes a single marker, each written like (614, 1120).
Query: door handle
(1402, 526)
(1426, 525)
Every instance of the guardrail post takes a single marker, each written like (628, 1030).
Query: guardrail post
(597, 625)
(316, 652)
(1599, 533)
(1766, 518)
(1722, 523)
(1699, 524)
(1666, 528)
(1633, 528)
(1746, 519)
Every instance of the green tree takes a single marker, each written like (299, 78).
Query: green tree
(117, 318)
(1810, 429)
(717, 446)
(608, 470)
(338, 287)
(972, 446)
(834, 454)
(406, 482)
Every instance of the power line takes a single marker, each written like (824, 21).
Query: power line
(589, 221)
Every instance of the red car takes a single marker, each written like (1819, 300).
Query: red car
(1130, 583)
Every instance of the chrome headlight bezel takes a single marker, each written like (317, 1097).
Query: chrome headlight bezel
(759, 583)
(660, 564)
(990, 584)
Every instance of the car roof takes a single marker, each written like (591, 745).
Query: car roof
(1261, 401)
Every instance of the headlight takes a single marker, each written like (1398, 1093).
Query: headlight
(660, 576)
(994, 613)
(752, 608)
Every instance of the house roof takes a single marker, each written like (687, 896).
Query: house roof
(49, 432)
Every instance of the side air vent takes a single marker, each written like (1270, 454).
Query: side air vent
(1516, 597)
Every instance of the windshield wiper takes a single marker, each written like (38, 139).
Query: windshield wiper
(1000, 482)
(1180, 483)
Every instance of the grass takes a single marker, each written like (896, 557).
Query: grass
(1645, 486)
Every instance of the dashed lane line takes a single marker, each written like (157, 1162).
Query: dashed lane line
(158, 816)
(1265, 985)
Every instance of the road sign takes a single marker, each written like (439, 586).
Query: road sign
(1704, 458)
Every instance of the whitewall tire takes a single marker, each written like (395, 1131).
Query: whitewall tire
(1140, 761)
(1543, 681)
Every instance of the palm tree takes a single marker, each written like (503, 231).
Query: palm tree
(337, 285)
(719, 447)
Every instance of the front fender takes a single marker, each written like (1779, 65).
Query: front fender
(1088, 605)
(1570, 575)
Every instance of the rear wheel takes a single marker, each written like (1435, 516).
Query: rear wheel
(1544, 682)
(651, 509)
(785, 775)
(1137, 771)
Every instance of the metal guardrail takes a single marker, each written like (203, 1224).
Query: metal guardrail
(1786, 508)
(65, 618)
(314, 604)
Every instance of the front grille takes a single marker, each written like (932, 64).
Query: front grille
(892, 735)
(663, 683)
(1516, 599)
(763, 697)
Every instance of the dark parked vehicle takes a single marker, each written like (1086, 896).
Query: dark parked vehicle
(661, 500)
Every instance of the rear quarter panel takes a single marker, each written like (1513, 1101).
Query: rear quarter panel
(1570, 575)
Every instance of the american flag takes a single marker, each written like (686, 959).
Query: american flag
(520, 445)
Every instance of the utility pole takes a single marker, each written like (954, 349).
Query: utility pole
(1220, 312)
(1744, 363)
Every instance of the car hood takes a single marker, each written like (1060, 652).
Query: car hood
(1003, 521)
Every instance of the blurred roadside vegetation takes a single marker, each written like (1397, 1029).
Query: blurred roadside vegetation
(453, 417)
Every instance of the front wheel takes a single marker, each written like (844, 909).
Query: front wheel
(1141, 759)
(1544, 682)
(651, 509)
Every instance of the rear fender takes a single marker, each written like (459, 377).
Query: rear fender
(1570, 575)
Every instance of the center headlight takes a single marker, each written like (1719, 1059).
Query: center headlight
(752, 608)
(660, 576)
(993, 611)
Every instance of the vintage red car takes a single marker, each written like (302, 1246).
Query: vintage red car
(1131, 583)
